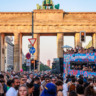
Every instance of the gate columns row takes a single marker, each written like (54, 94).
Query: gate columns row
(18, 45)
(18, 48)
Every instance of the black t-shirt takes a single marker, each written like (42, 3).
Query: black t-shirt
(86, 84)
(36, 90)
(80, 89)
(1, 94)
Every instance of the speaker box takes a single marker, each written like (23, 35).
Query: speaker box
(61, 65)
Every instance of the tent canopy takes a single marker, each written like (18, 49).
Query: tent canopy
(66, 46)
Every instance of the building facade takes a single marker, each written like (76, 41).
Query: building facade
(48, 63)
(23, 58)
(9, 55)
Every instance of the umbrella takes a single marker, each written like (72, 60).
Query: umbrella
(66, 46)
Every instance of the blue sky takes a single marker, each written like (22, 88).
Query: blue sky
(48, 48)
(29, 5)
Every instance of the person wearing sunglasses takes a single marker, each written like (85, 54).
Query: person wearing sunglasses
(53, 80)
(22, 80)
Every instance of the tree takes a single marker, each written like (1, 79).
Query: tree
(44, 67)
(89, 44)
(24, 67)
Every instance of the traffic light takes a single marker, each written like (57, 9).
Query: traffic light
(32, 61)
(32, 64)
(36, 64)
(82, 36)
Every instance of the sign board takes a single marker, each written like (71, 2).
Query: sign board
(79, 58)
(28, 62)
(32, 50)
(28, 55)
(29, 45)
(32, 56)
(32, 41)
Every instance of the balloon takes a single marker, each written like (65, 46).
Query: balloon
(21, 70)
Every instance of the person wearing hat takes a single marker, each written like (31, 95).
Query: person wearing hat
(49, 90)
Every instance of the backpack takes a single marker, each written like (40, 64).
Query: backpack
(72, 87)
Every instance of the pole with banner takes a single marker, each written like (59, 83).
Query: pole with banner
(28, 64)
(32, 40)
(32, 49)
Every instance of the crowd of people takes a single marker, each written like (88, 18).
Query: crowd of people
(83, 67)
(45, 84)
(30, 84)
(79, 49)
(81, 86)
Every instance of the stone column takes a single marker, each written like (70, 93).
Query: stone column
(37, 46)
(77, 40)
(20, 51)
(59, 45)
(94, 40)
(2, 52)
(16, 52)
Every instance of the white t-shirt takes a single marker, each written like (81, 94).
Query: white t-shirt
(12, 92)
(65, 89)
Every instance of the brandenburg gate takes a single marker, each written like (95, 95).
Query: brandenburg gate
(46, 23)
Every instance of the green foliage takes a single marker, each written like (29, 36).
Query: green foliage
(44, 67)
(89, 44)
(24, 67)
